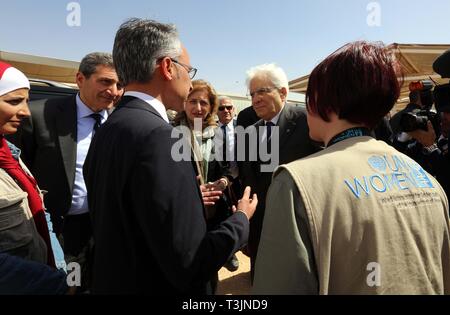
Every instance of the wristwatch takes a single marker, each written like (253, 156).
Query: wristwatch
(430, 149)
(223, 183)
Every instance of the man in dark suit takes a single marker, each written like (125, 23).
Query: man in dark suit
(227, 125)
(247, 117)
(282, 132)
(54, 144)
(146, 206)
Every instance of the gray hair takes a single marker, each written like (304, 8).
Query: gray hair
(138, 46)
(89, 63)
(270, 71)
(224, 97)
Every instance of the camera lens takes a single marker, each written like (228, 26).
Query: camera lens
(410, 122)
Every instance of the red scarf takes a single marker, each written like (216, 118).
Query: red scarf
(28, 185)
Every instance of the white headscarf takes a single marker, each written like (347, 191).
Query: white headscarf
(11, 79)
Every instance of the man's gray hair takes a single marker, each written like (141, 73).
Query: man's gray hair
(89, 63)
(139, 45)
(223, 98)
(270, 71)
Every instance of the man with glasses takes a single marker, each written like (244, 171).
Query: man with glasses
(190, 70)
(227, 125)
(268, 88)
(146, 207)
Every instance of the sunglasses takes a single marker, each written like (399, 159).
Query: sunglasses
(222, 108)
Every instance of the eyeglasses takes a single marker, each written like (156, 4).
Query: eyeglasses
(191, 71)
(261, 91)
(222, 108)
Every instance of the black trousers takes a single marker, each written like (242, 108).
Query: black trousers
(78, 247)
(77, 231)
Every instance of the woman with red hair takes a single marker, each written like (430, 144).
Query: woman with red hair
(358, 217)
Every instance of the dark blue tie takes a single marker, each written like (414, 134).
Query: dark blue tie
(98, 120)
(269, 126)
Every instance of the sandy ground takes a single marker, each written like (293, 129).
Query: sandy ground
(238, 282)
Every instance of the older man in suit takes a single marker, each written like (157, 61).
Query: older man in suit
(54, 144)
(282, 132)
(146, 206)
(227, 125)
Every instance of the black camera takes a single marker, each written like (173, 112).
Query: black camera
(424, 88)
(418, 119)
(440, 96)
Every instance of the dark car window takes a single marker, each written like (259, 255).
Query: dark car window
(44, 92)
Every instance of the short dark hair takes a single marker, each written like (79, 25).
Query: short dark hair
(359, 82)
(89, 63)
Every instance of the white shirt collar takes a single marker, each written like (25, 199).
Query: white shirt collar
(229, 125)
(153, 102)
(84, 111)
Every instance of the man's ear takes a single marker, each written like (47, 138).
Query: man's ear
(80, 78)
(166, 69)
(283, 93)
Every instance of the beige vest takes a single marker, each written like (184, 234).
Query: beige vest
(378, 222)
(18, 233)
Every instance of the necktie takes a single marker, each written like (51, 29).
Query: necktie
(224, 146)
(269, 126)
(98, 120)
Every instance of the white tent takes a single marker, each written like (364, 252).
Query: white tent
(416, 61)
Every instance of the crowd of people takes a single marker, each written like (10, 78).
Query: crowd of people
(324, 200)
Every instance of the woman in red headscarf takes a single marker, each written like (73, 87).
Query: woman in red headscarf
(23, 226)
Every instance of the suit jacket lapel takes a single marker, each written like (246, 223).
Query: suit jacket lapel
(257, 163)
(66, 129)
(286, 125)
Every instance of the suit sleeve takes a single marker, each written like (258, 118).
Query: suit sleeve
(285, 261)
(171, 216)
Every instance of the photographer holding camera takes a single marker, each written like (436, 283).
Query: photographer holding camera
(414, 121)
(436, 149)
(429, 131)
(415, 105)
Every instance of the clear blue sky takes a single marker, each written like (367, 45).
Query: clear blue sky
(226, 37)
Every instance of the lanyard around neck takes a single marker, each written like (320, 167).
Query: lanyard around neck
(349, 133)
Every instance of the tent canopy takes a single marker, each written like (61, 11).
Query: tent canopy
(417, 64)
(42, 67)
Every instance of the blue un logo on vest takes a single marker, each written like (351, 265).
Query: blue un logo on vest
(391, 173)
(378, 163)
